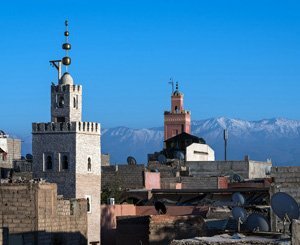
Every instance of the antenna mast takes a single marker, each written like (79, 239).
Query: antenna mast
(225, 143)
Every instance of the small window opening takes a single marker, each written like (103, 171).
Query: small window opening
(49, 162)
(74, 102)
(61, 102)
(89, 164)
(65, 163)
(88, 204)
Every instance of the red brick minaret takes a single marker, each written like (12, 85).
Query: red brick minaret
(177, 120)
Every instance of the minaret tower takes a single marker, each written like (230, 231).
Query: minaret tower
(66, 151)
(177, 120)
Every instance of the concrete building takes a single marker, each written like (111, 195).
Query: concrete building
(199, 152)
(66, 151)
(10, 150)
(177, 120)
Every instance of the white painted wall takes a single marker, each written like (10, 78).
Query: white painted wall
(199, 152)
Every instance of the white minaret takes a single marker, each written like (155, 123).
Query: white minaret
(66, 151)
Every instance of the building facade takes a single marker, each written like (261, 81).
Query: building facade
(177, 120)
(10, 150)
(66, 151)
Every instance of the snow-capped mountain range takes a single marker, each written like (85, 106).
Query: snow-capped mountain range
(277, 139)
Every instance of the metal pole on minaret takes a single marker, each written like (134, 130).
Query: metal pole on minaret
(66, 46)
(65, 60)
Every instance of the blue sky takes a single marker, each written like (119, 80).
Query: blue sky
(237, 59)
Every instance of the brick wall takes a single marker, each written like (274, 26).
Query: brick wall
(166, 171)
(285, 179)
(202, 183)
(126, 176)
(32, 213)
(247, 169)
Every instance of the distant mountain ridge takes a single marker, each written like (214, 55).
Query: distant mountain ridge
(277, 139)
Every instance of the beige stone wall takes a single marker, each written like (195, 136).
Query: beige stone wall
(33, 213)
(86, 184)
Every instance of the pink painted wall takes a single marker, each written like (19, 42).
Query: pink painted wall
(152, 180)
(110, 212)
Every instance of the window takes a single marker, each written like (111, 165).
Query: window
(176, 109)
(74, 102)
(89, 164)
(49, 163)
(65, 162)
(88, 203)
(61, 102)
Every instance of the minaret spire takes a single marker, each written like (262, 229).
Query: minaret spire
(66, 46)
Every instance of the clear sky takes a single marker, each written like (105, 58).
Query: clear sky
(237, 59)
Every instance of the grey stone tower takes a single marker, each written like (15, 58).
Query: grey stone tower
(66, 151)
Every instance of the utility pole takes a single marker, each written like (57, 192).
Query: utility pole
(225, 143)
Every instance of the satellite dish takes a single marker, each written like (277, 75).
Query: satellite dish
(284, 206)
(160, 207)
(28, 157)
(179, 155)
(238, 198)
(257, 222)
(131, 160)
(162, 159)
(239, 214)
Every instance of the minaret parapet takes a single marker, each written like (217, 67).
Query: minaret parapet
(52, 127)
(66, 88)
